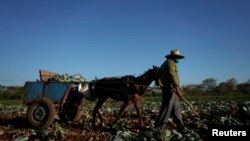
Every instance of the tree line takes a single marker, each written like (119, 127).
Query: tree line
(11, 92)
(210, 85)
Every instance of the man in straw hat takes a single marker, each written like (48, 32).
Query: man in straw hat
(171, 92)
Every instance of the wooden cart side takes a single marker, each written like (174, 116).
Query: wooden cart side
(45, 75)
(65, 96)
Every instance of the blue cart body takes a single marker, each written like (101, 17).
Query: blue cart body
(46, 99)
(55, 91)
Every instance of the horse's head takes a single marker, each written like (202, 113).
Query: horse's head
(156, 74)
(149, 76)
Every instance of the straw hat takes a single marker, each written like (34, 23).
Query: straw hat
(175, 54)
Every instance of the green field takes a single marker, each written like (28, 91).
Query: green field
(11, 101)
(149, 97)
(213, 109)
(203, 97)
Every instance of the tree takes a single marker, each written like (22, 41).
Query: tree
(227, 87)
(222, 88)
(232, 84)
(244, 87)
(209, 84)
(192, 89)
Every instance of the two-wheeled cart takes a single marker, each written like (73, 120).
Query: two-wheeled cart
(46, 100)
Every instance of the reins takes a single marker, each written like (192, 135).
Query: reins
(127, 80)
(105, 88)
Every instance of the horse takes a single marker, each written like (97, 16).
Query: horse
(127, 89)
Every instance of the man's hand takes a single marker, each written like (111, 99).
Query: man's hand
(160, 84)
(179, 93)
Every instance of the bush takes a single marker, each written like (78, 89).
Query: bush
(12, 92)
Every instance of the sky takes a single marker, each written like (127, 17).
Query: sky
(105, 38)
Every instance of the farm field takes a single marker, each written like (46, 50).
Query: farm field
(216, 111)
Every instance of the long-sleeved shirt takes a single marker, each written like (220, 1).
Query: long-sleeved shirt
(169, 75)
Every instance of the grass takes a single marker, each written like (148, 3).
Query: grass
(7, 102)
(157, 97)
(206, 97)
(217, 97)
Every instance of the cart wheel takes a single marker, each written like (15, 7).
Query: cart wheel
(41, 113)
(70, 112)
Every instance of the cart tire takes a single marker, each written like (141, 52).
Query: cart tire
(70, 112)
(41, 113)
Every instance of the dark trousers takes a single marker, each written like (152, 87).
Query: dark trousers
(170, 106)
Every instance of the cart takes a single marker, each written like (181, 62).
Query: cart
(46, 100)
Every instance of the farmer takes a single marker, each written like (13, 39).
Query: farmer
(171, 92)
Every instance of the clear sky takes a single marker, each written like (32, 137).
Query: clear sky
(99, 38)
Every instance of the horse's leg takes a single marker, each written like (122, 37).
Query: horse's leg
(97, 110)
(122, 110)
(137, 104)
